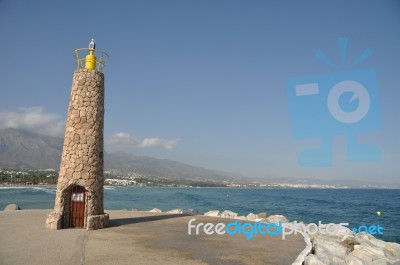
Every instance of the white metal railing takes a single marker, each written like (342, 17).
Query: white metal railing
(101, 58)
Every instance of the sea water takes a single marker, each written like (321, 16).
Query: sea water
(354, 206)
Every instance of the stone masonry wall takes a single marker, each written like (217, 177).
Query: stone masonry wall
(82, 155)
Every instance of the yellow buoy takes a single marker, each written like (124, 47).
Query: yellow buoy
(90, 59)
(378, 213)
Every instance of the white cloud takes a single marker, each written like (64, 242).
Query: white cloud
(33, 119)
(122, 139)
(153, 142)
(125, 139)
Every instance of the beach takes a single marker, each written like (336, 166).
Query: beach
(136, 237)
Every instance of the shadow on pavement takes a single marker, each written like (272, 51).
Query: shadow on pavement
(134, 220)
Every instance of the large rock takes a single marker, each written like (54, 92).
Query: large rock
(377, 243)
(229, 214)
(175, 211)
(312, 260)
(191, 212)
(366, 254)
(349, 242)
(330, 248)
(262, 215)
(392, 250)
(12, 207)
(362, 236)
(329, 251)
(241, 217)
(214, 213)
(343, 231)
(251, 217)
(376, 253)
(277, 218)
(328, 258)
(352, 260)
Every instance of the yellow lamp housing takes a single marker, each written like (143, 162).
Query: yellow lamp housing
(91, 61)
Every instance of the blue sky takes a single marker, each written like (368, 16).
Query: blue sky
(202, 82)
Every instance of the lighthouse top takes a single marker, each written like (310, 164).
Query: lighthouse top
(90, 58)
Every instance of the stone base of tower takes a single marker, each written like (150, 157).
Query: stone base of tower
(97, 221)
(54, 221)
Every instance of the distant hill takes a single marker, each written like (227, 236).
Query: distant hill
(21, 149)
(160, 167)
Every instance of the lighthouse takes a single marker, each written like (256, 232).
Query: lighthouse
(79, 196)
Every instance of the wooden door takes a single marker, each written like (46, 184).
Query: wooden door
(77, 213)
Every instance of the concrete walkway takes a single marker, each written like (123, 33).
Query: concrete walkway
(135, 238)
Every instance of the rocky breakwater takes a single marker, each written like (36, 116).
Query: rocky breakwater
(347, 247)
(344, 247)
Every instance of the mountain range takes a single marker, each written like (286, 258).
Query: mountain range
(22, 149)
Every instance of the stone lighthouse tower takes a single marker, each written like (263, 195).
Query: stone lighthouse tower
(79, 197)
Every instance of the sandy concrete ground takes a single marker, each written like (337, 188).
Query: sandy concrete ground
(135, 238)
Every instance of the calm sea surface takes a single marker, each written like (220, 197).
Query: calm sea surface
(355, 206)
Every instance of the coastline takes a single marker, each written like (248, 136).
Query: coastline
(13, 185)
(28, 186)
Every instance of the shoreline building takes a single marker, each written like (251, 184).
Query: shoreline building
(79, 197)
